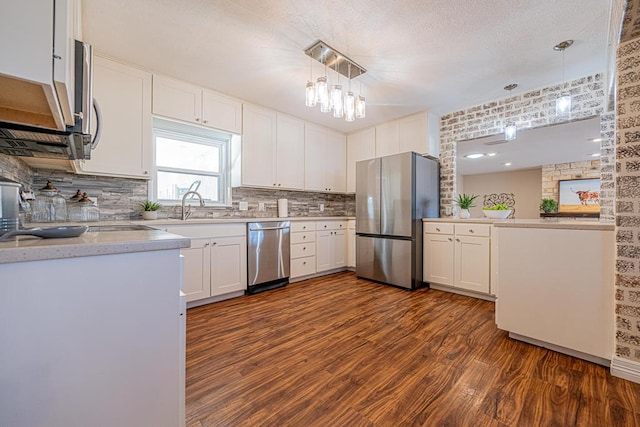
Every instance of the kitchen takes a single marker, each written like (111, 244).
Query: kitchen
(120, 184)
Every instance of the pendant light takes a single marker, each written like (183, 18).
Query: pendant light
(563, 103)
(361, 107)
(510, 129)
(349, 103)
(336, 96)
(310, 95)
(322, 91)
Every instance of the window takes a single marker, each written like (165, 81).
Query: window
(190, 158)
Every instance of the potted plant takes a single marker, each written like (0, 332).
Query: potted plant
(465, 201)
(150, 209)
(548, 206)
(497, 211)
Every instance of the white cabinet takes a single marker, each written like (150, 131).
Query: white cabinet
(388, 138)
(37, 67)
(457, 255)
(272, 150)
(126, 146)
(183, 101)
(216, 262)
(325, 160)
(351, 243)
(360, 146)
(331, 245)
(303, 248)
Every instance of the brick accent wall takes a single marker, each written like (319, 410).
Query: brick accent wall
(627, 305)
(15, 169)
(553, 173)
(535, 108)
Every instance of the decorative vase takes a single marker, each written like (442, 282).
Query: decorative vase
(149, 214)
(464, 214)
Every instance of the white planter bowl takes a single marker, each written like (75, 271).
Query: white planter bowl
(496, 214)
(149, 214)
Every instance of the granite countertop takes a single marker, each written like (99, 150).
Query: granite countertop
(556, 223)
(28, 248)
(460, 220)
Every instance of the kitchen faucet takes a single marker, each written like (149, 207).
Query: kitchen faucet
(185, 215)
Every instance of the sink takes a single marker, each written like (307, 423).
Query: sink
(123, 227)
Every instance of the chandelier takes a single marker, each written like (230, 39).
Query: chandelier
(563, 102)
(330, 96)
(510, 129)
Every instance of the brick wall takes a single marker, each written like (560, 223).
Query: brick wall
(553, 173)
(15, 169)
(535, 108)
(627, 294)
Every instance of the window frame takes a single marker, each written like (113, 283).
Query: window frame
(194, 135)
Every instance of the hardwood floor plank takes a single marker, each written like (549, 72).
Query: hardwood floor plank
(342, 351)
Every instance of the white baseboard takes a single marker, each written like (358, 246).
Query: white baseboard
(560, 349)
(464, 292)
(625, 368)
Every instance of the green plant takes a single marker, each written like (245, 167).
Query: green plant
(465, 201)
(548, 205)
(497, 207)
(150, 206)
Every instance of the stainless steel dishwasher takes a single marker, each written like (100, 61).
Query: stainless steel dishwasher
(267, 255)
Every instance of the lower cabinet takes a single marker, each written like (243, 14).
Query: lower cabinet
(351, 243)
(331, 245)
(303, 248)
(213, 266)
(457, 255)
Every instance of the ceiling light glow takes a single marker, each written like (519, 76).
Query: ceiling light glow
(474, 155)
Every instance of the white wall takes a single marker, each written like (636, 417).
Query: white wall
(524, 184)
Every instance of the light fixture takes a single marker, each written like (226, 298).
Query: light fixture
(595, 140)
(310, 95)
(491, 154)
(595, 155)
(348, 106)
(510, 129)
(563, 103)
(474, 155)
(507, 164)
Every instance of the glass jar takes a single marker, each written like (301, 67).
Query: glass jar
(49, 205)
(84, 210)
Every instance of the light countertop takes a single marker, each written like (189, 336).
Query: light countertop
(27, 248)
(557, 223)
(461, 221)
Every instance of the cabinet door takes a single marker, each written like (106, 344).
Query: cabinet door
(438, 257)
(290, 153)
(259, 147)
(228, 265)
(413, 134)
(177, 100)
(339, 239)
(126, 146)
(197, 283)
(335, 179)
(472, 263)
(221, 112)
(324, 247)
(314, 157)
(360, 146)
(387, 139)
(351, 247)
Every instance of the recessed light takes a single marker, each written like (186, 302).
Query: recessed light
(474, 155)
(507, 164)
(595, 139)
(595, 155)
(491, 154)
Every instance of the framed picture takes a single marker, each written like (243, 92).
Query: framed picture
(579, 196)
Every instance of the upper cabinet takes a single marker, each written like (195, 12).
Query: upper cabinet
(325, 160)
(418, 132)
(126, 147)
(37, 74)
(272, 150)
(360, 146)
(189, 103)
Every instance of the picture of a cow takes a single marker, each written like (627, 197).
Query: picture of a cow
(587, 196)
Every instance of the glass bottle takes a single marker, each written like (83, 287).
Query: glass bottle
(84, 210)
(49, 205)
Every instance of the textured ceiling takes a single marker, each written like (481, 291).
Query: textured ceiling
(440, 55)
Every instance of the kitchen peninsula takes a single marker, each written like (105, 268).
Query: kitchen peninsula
(92, 330)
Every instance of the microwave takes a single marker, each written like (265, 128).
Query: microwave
(18, 138)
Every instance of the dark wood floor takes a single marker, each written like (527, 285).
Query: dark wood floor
(339, 351)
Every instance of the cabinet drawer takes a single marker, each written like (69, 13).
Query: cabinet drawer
(302, 250)
(437, 228)
(303, 237)
(297, 226)
(483, 230)
(303, 266)
(331, 225)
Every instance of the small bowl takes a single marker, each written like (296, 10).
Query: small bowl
(496, 214)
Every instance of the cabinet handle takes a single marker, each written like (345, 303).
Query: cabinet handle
(197, 119)
(304, 248)
(57, 57)
(304, 262)
(274, 184)
(437, 229)
(325, 226)
(450, 239)
(146, 172)
(279, 184)
(304, 237)
(215, 243)
(304, 227)
(457, 240)
(470, 230)
(206, 245)
(206, 121)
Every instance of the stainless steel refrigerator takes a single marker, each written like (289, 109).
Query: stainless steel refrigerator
(393, 194)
